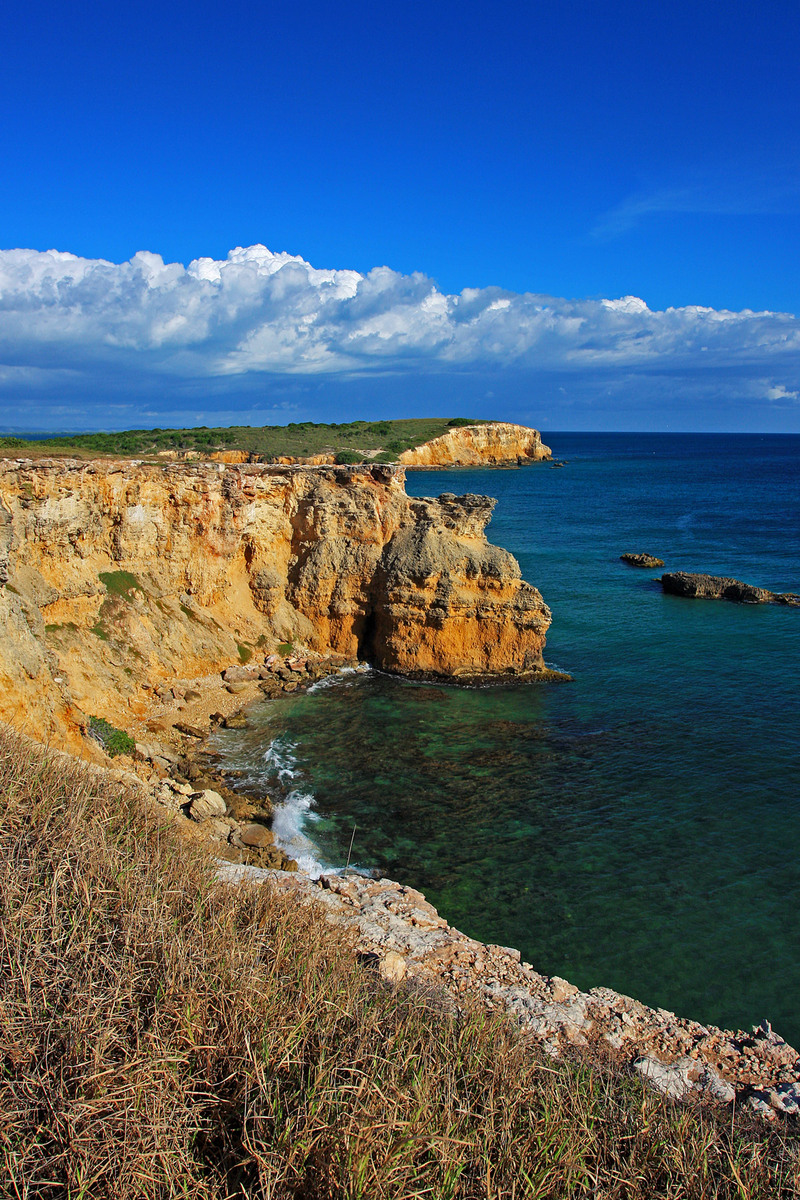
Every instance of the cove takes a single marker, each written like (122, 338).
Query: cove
(638, 828)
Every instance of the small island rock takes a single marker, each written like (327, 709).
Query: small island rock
(642, 560)
(720, 587)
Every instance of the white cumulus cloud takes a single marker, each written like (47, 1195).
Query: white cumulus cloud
(257, 313)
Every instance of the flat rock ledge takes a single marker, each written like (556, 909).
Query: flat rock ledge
(719, 587)
(403, 935)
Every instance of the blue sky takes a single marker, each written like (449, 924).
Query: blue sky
(547, 158)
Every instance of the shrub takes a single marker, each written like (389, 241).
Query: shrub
(120, 583)
(346, 457)
(114, 741)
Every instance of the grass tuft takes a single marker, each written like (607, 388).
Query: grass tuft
(114, 741)
(163, 1035)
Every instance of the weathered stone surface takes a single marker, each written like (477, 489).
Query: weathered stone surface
(240, 674)
(256, 835)
(234, 721)
(198, 559)
(206, 803)
(479, 445)
(190, 730)
(393, 967)
(719, 587)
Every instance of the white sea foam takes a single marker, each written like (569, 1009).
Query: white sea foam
(331, 680)
(294, 812)
(280, 760)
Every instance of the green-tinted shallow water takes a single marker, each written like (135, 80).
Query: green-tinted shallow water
(639, 827)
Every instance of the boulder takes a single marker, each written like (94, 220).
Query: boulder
(235, 721)
(189, 730)
(678, 1079)
(237, 687)
(256, 835)
(205, 804)
(239, 674)
(393, 967)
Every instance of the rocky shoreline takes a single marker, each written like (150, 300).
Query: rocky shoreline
(404, 937)
(399, 934)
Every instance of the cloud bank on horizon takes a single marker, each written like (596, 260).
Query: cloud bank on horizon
(71, 326)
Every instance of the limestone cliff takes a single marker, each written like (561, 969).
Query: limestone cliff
(479, 445)
(119, 575)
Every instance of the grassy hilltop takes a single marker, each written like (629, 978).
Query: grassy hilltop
(163, 1035)
(349, 441)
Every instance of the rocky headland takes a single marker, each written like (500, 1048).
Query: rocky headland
(498, 444)
(121, 576)
(719, 587)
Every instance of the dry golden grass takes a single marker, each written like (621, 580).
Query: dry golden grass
(162, 1035)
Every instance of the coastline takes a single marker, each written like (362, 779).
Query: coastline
(402, 936)
(759, 1068)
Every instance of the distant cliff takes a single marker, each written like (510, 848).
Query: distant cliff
(479, 445)
(120, 575)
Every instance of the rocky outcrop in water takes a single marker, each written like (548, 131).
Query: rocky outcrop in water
(718, 587)
(642, 560)
(479, 445)
(120, 576)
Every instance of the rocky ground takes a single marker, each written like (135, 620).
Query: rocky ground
(404, 937)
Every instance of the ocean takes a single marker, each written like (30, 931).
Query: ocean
(637, 828)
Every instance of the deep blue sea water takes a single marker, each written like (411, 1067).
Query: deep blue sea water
(638, 828)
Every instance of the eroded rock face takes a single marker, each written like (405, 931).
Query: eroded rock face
(121, 576)
(449, 602)
(479, 445)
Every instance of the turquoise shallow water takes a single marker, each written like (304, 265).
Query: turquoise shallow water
(639, 827)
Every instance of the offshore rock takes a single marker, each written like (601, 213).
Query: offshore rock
(718, 587)
(642, 560)
(122, 577)
(479, 445)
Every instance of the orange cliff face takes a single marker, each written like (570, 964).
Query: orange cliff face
(479, 445)
(119, 576)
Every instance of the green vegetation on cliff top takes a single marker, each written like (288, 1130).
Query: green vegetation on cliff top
(301, 439)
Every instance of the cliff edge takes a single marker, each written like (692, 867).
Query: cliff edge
(118, 576)
(479, 445)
